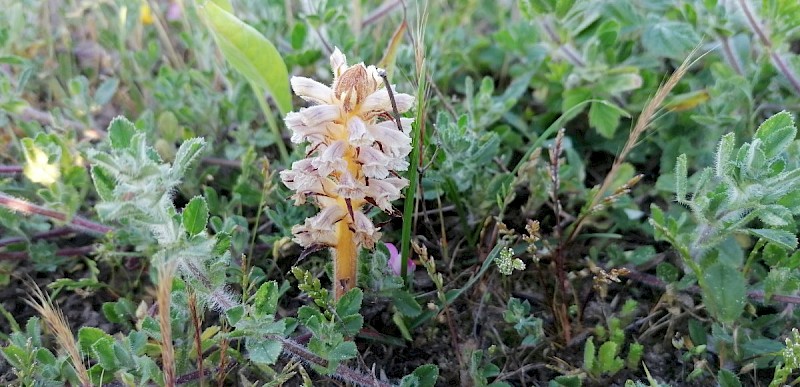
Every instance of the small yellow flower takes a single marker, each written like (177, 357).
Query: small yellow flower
(146, 14)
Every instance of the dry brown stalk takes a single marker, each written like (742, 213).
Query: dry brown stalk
(57, 323)
(164, 298)
(642, 123)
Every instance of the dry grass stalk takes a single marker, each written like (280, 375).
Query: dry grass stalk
(198, 342)
(57, 323)
(642, 123)
(164, 297)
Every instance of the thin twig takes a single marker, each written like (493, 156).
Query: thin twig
(76, 222)
(759, 30)
(642, 123)
(755, 295)
(10, 169)
(345, 373)
(54, 233)
(65, 252)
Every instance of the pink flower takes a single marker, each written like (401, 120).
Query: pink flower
(395, 261)
(174, 11)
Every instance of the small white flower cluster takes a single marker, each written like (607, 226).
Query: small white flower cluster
(354, 150)
(506, 263)
(791, 354)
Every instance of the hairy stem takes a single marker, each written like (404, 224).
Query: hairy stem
(76, 222)
(350, 375)
(779, 62)
(345, 260)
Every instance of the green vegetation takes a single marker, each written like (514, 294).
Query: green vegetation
(554, 192)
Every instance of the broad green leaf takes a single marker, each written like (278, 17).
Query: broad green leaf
(88, 336)
(106, 91)
(775, 215)
(424, 376)
(406, 304)
(263, 351)
(604, 116)
(728, 379)
(120, 132)
(250, 53)
(350, 303)
(783, 238)
(669, 38)
(195, 216)
(103, 350)
(235, 314)
(351, 324)
(224, 4)
(566, 381)
(724, 292)
(573, 98)
(266, 301)
(343, 351)
(776, 133)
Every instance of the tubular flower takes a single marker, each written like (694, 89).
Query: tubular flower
(354, 150)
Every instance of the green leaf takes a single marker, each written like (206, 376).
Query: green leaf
(681, 179)
(782, 238)
(724, 292)
(728, 379)
(350, 303)
(725, 150)
(235, 314)
(186, 155)
(298, 36)
(604, 116)
(104, 184)
(103, 350)
(250, 53)
(566, 381)
(777, 132)
(343, 351)
(573, 98)
(406, 304)
(607, 357)
(669, 38)
(263, 351)
(589, 355)
(775, 215)
(88, 336)
(106, 91)
(266, 301)
(195, 216)
(120, 133)
(667, 272)
(351, 325)
(424, 376)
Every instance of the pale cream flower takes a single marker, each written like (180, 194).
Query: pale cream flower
(366, 234)
(354, 151)
(319, 229)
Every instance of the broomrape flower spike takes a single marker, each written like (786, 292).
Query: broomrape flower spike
(355, 149)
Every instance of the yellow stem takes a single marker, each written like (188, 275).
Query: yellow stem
(345, 260)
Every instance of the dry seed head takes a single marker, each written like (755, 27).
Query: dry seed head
(55, 320)
(353, 86)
